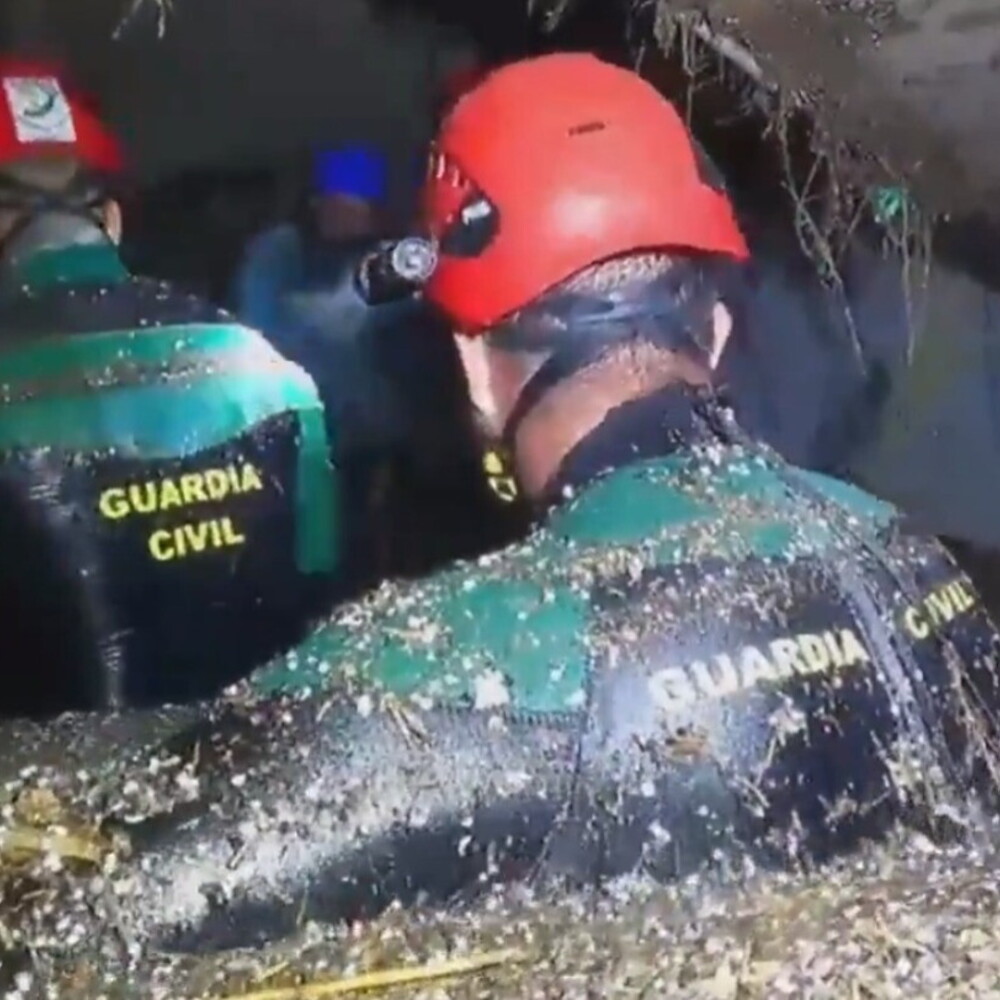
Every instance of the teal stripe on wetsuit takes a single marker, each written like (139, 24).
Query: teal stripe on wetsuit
(116, 390)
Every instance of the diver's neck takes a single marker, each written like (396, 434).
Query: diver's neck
(574, 409)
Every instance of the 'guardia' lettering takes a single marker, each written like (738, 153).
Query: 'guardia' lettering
(171, 493)
(803, 656)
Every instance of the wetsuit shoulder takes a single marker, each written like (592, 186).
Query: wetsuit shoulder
(507, 630)
(716, 502)
(697, 553)
(512, 627)
(135, 303)
(695, 659)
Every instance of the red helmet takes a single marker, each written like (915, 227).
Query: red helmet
(553, 164)
(41, 115)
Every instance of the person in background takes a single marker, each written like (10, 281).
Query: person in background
(392, 397)
(350, 186)
(347, 191)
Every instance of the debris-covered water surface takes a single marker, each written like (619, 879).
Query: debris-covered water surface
(915, 919)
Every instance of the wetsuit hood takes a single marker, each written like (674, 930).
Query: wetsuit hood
(673, 419)
(59, 248)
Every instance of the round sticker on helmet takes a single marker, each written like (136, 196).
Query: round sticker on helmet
(39, 109)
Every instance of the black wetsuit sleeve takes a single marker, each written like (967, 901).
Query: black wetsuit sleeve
(320, 811)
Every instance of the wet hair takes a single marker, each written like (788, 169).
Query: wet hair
(661, 299)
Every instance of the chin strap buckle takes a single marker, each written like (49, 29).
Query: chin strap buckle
(499, 477)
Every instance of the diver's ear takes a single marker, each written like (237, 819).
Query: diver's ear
(722, 327)
(111, 220)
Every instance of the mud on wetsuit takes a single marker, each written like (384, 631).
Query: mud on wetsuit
(703, 649)
(166, 502)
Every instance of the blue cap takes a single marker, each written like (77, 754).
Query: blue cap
(353, 170)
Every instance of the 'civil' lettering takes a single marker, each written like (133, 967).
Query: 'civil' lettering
(193, 538)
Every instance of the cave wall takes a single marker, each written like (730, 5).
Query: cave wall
(239, 83)
(916, 82)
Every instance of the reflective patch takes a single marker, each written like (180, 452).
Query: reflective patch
(202, 486)
(939, 607)
(784, 658)
(206, 486)
(498, 476)
(39, 109)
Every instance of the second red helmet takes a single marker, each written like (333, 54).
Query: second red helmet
(42, 115)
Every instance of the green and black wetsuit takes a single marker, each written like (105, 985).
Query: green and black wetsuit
(167, 505)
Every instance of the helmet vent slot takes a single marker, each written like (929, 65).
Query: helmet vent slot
(587, 127)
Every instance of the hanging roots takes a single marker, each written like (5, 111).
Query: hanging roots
(840, 187)
(162, 9)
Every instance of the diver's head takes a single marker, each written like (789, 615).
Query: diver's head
(57, 159)
(586, 251)
(348, 192)
(618, 331)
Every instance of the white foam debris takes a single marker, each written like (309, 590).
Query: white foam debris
(490, 690)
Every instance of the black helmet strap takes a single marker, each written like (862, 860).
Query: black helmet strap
(579, 329)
